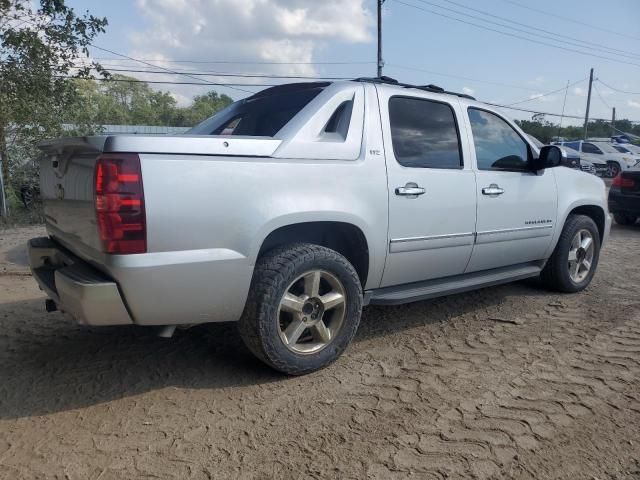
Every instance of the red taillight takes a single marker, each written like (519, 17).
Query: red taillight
(119, 204)
(622, 182)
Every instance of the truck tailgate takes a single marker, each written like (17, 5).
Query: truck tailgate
(67, 190)
(68, 185)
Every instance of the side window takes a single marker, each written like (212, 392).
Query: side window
(424, 133)
(591, 148)
(498, 145)
(574, 145)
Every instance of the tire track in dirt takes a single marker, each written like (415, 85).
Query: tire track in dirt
(428, 390)
(481, 437)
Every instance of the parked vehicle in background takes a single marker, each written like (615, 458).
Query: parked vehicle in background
(624, 197)
(616, 161)
(621, 139)
(588, 167)
(322, 198)
(628, 149)
(572, 159)
(600, 166)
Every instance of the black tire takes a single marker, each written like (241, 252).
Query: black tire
(555, 274)
(259, 325)
(613, 169)
(624, 218)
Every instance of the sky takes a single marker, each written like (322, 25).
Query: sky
(454, 44)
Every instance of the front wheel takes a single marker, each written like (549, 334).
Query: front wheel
(303, 309)
(613, 169)
(575, 258)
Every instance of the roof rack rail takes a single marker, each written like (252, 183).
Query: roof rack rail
(427, 88)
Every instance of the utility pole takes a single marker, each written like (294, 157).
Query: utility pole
(613, 122)
(380, 61)
(586, 116)
(4, 209)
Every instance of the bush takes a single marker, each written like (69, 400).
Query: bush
(18, 214)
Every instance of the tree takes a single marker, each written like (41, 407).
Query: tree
(546, 131)
(124, 102)
(39, 49)
(203, 107)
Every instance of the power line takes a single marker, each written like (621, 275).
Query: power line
(600, 96)
(536, 97)
(514, 35)
(225, 74)
(157, 66)
(232, 62)
(617, 89)
(569, 19)
(152, 65)
(551, 114)
(586, 43)
(488, 82)
(166, 82)
(264, 75)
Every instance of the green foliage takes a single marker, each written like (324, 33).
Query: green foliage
(203, 107)
(545, 131)
(40, 42)
(132, 103)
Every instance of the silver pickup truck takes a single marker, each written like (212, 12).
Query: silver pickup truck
(292, 209)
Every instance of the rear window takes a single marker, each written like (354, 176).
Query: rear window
(263, 114)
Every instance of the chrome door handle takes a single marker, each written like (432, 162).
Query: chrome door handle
(492, 190)
(410, 190)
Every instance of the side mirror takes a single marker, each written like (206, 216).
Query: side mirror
(550, 156)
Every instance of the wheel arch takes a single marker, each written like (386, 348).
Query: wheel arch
(345, 238)
(595, 212)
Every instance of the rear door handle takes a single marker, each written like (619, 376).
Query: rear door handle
(410, 190)
(492, 190)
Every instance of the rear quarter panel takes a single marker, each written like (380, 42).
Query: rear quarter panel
(207, 218)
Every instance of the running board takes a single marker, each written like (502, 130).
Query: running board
(413, 292)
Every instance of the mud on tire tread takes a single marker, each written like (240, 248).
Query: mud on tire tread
(555, 274)
(273, 273)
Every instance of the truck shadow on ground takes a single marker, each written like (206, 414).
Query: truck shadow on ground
(18, 256)
(49, 364)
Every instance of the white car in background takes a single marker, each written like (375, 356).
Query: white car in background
(616, 161)
(585, 162)
(627, 148)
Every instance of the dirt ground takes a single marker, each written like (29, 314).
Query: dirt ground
(506, 382)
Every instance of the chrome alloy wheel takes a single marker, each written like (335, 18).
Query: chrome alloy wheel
(581, 256)
(311, 312)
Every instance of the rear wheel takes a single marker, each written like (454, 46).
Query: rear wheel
(303, 309)
(575, 258)
(624, 218)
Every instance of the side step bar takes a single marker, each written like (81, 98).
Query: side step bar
(414, 292)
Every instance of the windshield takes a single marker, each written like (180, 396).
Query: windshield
(261, 115)
(621, 149)
(605, 147)
(633, 148)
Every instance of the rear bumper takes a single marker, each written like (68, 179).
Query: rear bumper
(622, 203)
(78, 289)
